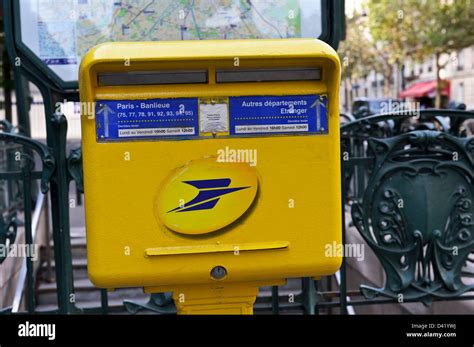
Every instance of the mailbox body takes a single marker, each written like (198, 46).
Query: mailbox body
(280, 213)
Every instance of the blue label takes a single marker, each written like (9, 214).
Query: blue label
(278, 114)
(125, 120)
(141, 119)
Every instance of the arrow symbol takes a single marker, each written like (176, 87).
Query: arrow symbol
(105, 110)
(317, 104)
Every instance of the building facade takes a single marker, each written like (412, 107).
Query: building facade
(458, 70)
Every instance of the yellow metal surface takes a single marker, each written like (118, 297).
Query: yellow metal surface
(217, 248)
(215, 298)
(235, 298)
(298, 199)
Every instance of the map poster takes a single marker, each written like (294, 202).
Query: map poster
(61, 41)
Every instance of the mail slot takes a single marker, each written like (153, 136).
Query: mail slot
(210, 163)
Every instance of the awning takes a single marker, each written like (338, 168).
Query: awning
(427, 88)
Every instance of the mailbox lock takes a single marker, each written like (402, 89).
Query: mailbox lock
(218, 273)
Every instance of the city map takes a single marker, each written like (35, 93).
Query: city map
(63, 40)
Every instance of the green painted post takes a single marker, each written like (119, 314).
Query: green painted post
(309, 295)
(104, 300)
(56, 128)
(275, 300)
(23, 98)
(7, 87)
(342, 271)
(26, 163)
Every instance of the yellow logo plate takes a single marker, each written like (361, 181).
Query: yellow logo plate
(205, 195)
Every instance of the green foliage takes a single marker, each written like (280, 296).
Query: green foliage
(414, 29)
(421, 28)
(359, 53)
(354, 50)
(390, 24)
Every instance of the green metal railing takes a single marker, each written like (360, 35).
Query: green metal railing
(408, 155)
(389, 200)
(23, 170)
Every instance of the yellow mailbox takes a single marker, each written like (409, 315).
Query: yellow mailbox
(210, 167)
